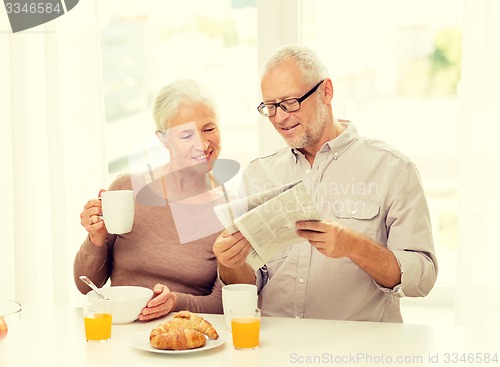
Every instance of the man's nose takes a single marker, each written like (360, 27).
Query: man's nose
(280, 115)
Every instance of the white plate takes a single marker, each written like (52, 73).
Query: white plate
(141, 341)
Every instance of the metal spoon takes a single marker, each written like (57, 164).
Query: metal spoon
(87, 281)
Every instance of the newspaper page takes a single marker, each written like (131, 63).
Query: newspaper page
(268, 220)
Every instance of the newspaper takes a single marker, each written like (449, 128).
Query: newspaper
(267, 220)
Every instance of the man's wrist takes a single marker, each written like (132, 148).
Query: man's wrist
(242, 274)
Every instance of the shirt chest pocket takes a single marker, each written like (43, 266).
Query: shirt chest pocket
(359, 215)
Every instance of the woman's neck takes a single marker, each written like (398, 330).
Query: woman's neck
(186, 183)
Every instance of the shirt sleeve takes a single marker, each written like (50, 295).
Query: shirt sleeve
(410, 235)
(261, 277)
(94, 262)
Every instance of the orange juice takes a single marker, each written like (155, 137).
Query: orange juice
(97, 326)
(245, 332)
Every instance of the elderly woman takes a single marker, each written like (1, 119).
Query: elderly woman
(170, 246)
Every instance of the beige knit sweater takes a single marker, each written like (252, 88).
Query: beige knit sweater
(154, 253)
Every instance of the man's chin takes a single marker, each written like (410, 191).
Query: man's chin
(297, 143)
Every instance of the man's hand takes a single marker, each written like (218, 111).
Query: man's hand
(231, 250)
(324, 235)
(334, 240)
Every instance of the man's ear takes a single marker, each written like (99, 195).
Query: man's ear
(328, 91)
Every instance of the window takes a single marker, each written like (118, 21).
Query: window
(395, 66)
(396, 72)
(146, 45)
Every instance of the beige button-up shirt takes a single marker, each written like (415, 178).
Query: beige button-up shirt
(369, 187)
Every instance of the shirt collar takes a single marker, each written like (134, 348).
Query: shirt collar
(340, 144)
(337, 145)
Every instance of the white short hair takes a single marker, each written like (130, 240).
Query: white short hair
(178, 94)
(307, 60)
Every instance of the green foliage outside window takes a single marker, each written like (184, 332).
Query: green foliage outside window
(438, 73)
(446, 62)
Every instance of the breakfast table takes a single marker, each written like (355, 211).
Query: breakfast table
(55, 337)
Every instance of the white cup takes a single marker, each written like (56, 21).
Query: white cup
(118, 210)
(236, 298)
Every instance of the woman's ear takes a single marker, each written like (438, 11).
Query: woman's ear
(163, 137)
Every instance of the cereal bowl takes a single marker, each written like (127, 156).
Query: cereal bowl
(10, 315)
(127, 301)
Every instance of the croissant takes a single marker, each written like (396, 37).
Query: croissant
(189, 320)
(185, 331)
(178, 340)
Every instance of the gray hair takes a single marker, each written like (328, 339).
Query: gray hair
(176, 95)
(307, 60)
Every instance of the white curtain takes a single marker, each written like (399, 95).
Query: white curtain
(478, 276)
(52, 151)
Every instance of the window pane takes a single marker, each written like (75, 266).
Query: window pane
(145, 45)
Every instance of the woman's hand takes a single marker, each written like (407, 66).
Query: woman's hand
(90, 219)
(162, 303)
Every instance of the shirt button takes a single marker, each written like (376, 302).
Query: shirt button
(336, 154)
(308, 171)
(301, 280)
(354, 212)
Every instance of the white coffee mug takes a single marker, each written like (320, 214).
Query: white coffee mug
(238, 297)
(118, 210)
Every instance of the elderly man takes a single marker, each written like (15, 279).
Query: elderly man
(375, 244)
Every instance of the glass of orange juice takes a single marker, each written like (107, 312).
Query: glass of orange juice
(97, 320)
(246, 329)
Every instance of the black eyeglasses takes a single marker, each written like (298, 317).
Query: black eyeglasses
(287, 105)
